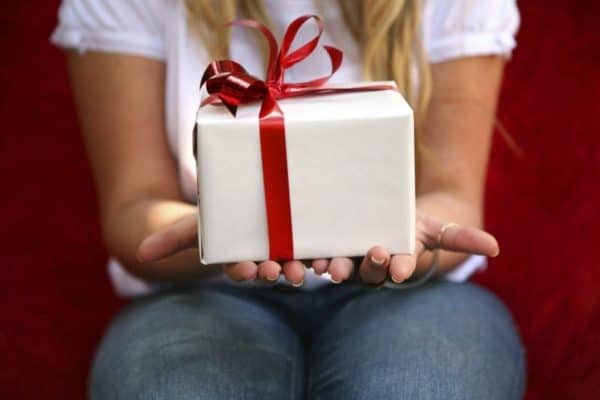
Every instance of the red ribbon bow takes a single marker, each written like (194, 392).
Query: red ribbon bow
(229, 83)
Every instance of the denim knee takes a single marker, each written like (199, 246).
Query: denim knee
(441, 341)
(200, 344)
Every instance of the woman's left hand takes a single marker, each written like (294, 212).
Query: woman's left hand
(379, 264)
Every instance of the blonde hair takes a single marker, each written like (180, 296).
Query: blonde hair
(387, 31)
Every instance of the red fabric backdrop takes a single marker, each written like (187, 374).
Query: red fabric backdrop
(55, 298)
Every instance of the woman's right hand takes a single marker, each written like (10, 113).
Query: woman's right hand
(183, 235)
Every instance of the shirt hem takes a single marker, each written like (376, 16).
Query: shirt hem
(469, 45)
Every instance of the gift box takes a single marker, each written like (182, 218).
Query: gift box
(317, 173)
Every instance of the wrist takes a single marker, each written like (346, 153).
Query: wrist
(451, 206)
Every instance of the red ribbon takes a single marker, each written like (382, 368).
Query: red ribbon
(228, 83)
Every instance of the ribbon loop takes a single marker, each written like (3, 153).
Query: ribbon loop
(229, 82)
(272, 42)
(335, 57)
(219, 67)
(288, 60)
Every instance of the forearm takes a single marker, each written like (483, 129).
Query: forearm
(127, 227)
(449, 188)
(456, 137)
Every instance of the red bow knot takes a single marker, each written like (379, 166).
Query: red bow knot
(228, 82)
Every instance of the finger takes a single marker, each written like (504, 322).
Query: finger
(320, 265)
(269, 270)
(470, 240)
(242, 271)
(458, 238)
(172, 239)
(340, 269)
(294, 272)
(374, 266)
(402, 266)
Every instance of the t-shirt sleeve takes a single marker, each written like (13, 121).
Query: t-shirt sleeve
(462, 28)
(118, 26)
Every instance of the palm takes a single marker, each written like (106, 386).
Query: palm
(376, 266)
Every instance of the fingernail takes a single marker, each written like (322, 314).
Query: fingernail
(496, 254)
(395, 279)
(298, 284)
(272, 278)
(377, 261)
(334, 281)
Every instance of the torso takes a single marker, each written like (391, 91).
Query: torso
(186, 59)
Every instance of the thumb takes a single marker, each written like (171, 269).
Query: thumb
(181, 235)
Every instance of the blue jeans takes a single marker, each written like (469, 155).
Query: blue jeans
(440, 341)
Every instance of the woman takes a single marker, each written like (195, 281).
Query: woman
(261, 329)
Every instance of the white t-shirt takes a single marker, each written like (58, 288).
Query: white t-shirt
(158, 29)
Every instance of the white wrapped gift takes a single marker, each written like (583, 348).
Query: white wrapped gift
(350, 166)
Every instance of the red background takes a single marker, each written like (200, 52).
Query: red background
(55, 298)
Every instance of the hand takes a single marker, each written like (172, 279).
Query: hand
(378, 264)
(183, 235)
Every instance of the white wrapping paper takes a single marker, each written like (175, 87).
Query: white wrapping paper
(351, 175)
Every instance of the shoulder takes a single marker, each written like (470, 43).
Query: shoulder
(129, 26)
(459, 28)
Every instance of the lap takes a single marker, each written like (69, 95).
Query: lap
(442, 341)
(203, 344)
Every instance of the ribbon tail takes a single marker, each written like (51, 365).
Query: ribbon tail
(314, 91)
(231, 107)
(210, 99)
(216, 99)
